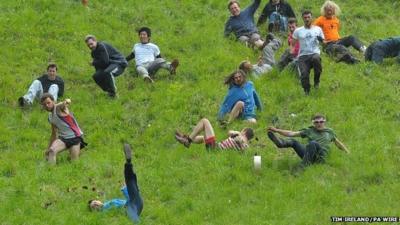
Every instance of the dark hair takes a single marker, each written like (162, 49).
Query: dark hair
(231, 3)
(45, 96)
(292, 20)
(52, 65)
(145, 29)
(229, 79)
(249, 133)
(90, 36)
(305, 12)
(318, 116)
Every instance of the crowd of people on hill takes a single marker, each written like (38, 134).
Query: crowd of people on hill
(241, 101)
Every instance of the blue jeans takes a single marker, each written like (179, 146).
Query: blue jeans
(135, 202)
(276, 18)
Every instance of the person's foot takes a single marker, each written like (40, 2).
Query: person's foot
(270, 37)
(22, 102)
(127, 151)
(148, 79)
(307, 92)
(277, 141)
(316, 85)
(182, 138)
(112, 94)
(174, 65)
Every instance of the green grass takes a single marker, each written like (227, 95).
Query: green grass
(181, 186)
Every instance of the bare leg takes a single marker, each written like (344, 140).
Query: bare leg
(74, 151)
(198, 139)
(203, 125)
(236, 110)
(56, 147)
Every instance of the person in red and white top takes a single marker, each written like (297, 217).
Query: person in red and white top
(237, 140)
(292, 52)
(62, 121)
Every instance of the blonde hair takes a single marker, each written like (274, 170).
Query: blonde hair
(330, 4)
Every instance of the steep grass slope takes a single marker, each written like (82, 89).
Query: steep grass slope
(182, 186)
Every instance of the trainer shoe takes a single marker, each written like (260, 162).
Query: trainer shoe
(148, 79)
(183, 139)
(127, 151)
(22, 102)
(174, 65)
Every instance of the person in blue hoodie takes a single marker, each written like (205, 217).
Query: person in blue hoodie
(133, 201)
(381, 49)
(241, 100)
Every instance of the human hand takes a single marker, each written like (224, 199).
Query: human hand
(272, 129)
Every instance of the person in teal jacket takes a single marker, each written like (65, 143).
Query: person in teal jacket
(133, 202)
(241, 100)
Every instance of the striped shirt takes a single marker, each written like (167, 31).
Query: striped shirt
(235, 143)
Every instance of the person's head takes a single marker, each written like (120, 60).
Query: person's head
(52, 71)
(248, 133)
(330, 9)
(307, 18)
(91, 41)
(246, 66)
(47, 101)
(318, 121)
(238, 78)
(292, 24)
(95, 205)
(234, 7)
(144, 35)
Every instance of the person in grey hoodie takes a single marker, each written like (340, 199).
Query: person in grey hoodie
(241, 23)
(108, 62)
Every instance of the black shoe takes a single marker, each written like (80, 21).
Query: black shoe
(21, 101)
(277, 141)
(316, 86)
(270, 37)
(127, 151)
(112, 94)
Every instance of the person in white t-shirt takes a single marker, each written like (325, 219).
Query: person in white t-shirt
(309, 37)
(148, 57)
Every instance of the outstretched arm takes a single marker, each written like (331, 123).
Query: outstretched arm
(64, 104)
(341, 146)
(286, 133)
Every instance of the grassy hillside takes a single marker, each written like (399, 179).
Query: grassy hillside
(182, 186)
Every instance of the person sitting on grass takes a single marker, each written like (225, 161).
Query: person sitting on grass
(148, 57)
(133, 201)
(385, 48)
(236, 140)
(241, 100)
(319, 138)
(277, 12)
(47, 83)
(267, 59)
(241, 23)
(290, 54)
(62, 121)
(335, 46)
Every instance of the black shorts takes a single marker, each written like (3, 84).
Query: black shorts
(74, 141)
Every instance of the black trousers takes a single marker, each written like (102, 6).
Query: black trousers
(105, 78)
(305, 63)
(350, 41)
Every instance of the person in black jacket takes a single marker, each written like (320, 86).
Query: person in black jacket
(108, 62)
(277, 12)
(47, 83)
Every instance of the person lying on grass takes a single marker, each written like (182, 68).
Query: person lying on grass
(62, 121)
(241, 100)
(237, 140)
(133, 201)
(319, 139)
(386, 48)
(266, 60)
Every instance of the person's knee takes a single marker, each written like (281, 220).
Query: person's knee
(205, 120)
(239, 104)
(351, 38)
